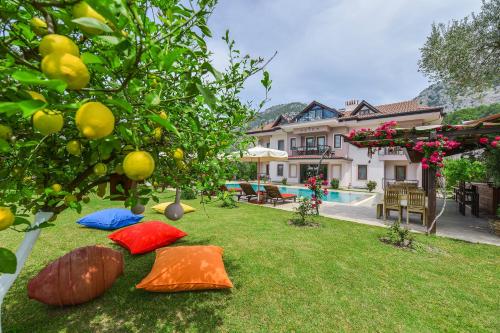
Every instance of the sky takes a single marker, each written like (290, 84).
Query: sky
(333, 50)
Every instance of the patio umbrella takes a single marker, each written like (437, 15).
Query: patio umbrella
(260, 154)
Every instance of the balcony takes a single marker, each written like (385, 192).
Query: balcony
(392, 154)
(317, 150)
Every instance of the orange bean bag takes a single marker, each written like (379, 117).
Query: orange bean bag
(184, 268)
(77, 277)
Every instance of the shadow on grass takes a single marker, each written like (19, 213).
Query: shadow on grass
(122, 308)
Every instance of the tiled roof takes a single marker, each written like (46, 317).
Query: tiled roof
(391, 109)
(263, 128)
(384, 110)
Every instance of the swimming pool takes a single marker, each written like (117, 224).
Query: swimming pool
(333, 196)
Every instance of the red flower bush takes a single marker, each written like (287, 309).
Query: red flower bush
(315, 184)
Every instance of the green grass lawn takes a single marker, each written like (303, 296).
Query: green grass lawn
(338, 277)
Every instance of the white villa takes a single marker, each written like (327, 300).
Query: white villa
(309, 134)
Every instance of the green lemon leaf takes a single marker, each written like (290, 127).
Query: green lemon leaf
(8, 261)
(91, 22)
(208, 96)
(8, 107)
(35, 78)
(152, 99)
(31, 106)
(165, 123)
(89, 58)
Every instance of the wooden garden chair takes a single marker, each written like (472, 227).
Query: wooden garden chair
(392, 201)
(248, 192)
(416, 204)
(233, 190)
(274, 194)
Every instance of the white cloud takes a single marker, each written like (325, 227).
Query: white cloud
(334, 50)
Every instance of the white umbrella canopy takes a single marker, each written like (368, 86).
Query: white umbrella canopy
(261, 154)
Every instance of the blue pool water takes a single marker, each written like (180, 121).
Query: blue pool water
(333, 196)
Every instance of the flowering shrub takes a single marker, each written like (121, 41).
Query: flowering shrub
(315, 184)
(490, 143)
(434, 151)
(304, 213)
(384, 131)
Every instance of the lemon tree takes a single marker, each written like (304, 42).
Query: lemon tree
(94, 89)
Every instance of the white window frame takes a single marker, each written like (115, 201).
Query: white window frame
(321, 136)
(357, 173)
(334, 141)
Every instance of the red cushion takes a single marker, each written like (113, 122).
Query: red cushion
(288, 195)
(147, 236)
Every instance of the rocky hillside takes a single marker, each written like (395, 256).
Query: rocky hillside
(274, 111)
(436, 94)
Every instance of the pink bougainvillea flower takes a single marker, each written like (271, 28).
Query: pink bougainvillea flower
(494, 144)
(483, 141)
(425, 166)
(497, 138)
(438, 174)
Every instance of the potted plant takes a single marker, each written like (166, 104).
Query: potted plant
(284, 180)
(334, 183)
(371, 185)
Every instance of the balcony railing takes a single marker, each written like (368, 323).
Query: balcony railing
(391, 151)
(309, 150)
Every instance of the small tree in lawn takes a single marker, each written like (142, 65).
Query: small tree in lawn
(128, 89)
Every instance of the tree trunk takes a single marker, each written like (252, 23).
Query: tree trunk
(7, 280)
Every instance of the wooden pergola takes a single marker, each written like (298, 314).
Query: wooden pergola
(468, 134)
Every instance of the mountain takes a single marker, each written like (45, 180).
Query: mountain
(436, 95)
(274, 111)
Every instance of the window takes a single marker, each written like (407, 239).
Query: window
(281, 144)
(267, 169)
(280, 170)
(293, 171)
(321, 141)
(362, 172)
(293, 143)
(316, 113)
(268, 144)
(310, 141)
(400, 172)
(337, 141)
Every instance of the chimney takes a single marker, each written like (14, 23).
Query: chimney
(351, 104)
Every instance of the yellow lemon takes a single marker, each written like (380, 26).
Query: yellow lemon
(119, 169)
(100, 169)
(178, 154)
(82, 9)
(39, 26)
(68, 68)
(157, 133)
(47, 122)
(138, 165)
(36, 96)
(5, 132)
(54, 43)
(95, 120)
(163, 115)
(56, 188)
(74, 147)
(6, 218)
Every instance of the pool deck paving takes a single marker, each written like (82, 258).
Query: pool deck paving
(451, 224)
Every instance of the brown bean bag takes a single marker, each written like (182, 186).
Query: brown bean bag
(77, 277)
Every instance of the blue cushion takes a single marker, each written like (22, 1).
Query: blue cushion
(109, 219)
